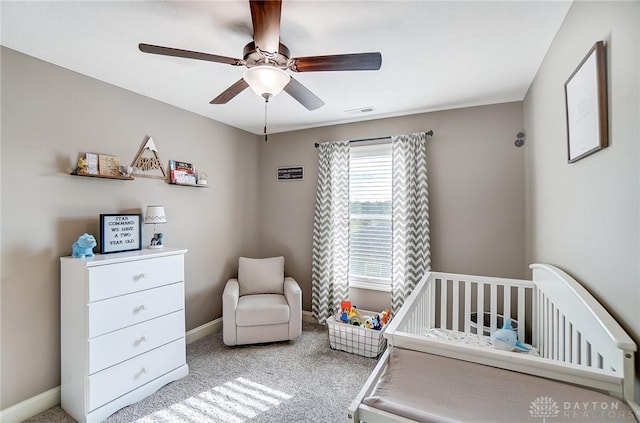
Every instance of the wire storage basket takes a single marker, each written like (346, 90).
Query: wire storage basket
(356, 339)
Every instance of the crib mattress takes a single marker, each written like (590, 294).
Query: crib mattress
(435, 389)
(470, 339)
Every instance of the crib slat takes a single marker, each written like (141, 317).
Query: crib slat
(455, 305)
(594, 358)
(546, 328)
(567, 341)
(554, 331)
(467, 307)
(443, 303)
(521, 314)
(584, 351)
(561, 339)
(541, 322)
(575, 345)
(493, 298)
(506, 303)
(480, 308)
(432, 304)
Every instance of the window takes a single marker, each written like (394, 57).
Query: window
(370, 216)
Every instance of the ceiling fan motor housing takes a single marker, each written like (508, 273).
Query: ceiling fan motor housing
(253, 56)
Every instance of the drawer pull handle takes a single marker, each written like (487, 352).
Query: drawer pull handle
(141, 340)
(144, 275)
(141, 373)
(141, 307)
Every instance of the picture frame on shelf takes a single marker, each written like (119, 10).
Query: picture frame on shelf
(120, 232)
(92, 163)
(586, 106)
(108, 165)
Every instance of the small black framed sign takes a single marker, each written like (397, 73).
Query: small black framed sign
(120, 232)
(291, 173)
(586, 106)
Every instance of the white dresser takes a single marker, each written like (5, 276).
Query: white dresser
(122, 329)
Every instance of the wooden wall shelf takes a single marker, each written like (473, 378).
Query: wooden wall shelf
(189, 185)
(90, 175)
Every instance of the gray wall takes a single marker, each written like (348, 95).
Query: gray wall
(585, 217)
(476, 189)
(49, 116)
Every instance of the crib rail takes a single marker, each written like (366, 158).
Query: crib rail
(577, 339)
(469, 304)
(573, 327)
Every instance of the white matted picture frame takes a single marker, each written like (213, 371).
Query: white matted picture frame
(586, 106)
(120, 232)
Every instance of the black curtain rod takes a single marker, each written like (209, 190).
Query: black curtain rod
(430, 133)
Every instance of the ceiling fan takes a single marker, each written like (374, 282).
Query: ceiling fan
(267, 60)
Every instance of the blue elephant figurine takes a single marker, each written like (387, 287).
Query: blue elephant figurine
(83, 247)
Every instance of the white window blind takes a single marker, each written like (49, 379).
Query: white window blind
(370, 214)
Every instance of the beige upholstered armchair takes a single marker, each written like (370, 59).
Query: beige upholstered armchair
(261, 305)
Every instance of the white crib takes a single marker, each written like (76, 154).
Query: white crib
(576, 339)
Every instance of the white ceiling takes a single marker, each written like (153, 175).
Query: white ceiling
(436, 55)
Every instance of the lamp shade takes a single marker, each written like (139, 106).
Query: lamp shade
(155, 214)
(266, 80)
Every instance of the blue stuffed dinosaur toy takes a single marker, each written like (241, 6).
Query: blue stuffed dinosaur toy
(507, 338)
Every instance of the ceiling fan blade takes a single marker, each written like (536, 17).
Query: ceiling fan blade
(230, 92)
(188, 54)
(302, 94)
(265, 15)
(337, 62)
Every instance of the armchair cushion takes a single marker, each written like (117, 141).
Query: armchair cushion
(261, 276)
(262, 309)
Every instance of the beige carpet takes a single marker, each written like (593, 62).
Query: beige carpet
(298, 381)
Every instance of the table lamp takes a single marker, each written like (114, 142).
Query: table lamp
(155, 215)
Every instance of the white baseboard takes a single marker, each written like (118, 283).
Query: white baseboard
(307, 316)
(204, 330)
(31, 406)
(36, 405)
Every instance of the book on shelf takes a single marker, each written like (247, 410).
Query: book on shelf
(182, 173)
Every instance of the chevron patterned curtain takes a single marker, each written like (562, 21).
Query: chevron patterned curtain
(411, 255)
(330, 259)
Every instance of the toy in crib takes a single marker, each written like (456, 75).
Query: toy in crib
(506, 339)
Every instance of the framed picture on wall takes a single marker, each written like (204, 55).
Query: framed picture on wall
(586, 106)
(120, 232)
(291, 173)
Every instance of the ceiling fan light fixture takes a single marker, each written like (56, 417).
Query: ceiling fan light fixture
(266, 81)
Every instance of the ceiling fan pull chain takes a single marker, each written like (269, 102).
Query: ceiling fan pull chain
(266, 101)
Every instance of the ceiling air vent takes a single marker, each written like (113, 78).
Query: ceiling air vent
(359, 110)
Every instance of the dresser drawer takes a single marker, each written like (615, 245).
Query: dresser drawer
(119, 312)
(118, 346)
(113, 382)
(111, 280)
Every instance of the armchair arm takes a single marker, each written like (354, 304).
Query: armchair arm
(293, 294)
(230, 297)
